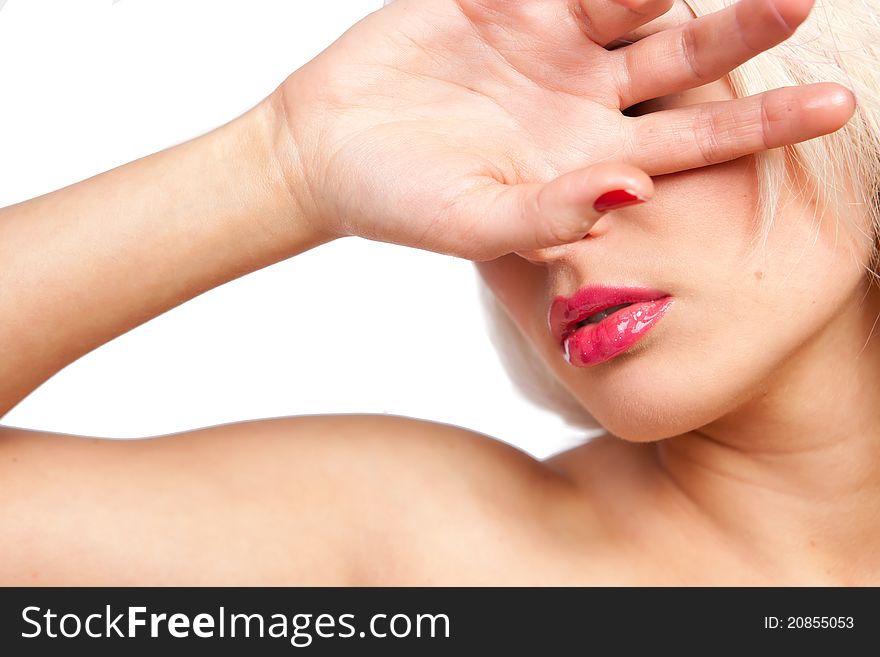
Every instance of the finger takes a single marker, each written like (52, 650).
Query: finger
(710, 133)
(679, 14)
(538, 215)
(706, 48)
(603, 21)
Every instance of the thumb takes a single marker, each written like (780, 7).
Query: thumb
(539, 215)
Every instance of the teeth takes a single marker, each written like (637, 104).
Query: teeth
(602, 314)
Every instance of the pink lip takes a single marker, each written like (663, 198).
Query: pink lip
(596, 343)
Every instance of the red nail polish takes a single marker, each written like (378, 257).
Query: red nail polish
(619, 198)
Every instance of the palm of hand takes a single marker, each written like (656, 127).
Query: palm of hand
(426, 119)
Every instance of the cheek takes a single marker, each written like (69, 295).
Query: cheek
(708, 213)
(803, 273)
(808, 273)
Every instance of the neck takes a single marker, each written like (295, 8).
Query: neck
(795, 471)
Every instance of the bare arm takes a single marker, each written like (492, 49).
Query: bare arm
(86, 263)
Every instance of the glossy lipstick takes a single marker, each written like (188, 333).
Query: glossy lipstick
(598, 323)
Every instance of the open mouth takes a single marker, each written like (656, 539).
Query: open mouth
(612, 331)
(595, 318)
(598, 323)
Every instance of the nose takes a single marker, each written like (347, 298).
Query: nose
(554, 253)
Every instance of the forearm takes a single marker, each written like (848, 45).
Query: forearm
(89, 262)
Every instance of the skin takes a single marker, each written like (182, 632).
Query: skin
(723, 463)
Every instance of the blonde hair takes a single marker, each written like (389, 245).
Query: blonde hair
(839, 42)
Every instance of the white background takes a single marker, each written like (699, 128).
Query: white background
(86, 85)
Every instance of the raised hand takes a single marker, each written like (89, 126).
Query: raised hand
(481, 127)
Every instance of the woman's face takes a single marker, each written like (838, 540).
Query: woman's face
(740, 318)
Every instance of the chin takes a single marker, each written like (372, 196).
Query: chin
(643, 404)
(644, 426)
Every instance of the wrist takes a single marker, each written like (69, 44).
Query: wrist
(280, 172)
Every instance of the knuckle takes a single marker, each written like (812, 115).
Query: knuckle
(621, 73)
(551, 228)
(712, 131)
(535, 221)
(688, 46)
(776, 110)
(766, 122)
(561, 232)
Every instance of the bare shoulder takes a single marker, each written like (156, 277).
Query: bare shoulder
(442, 504)
(322, 499)
(429, 502)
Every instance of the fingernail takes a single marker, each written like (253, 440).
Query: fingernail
(619, 198)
